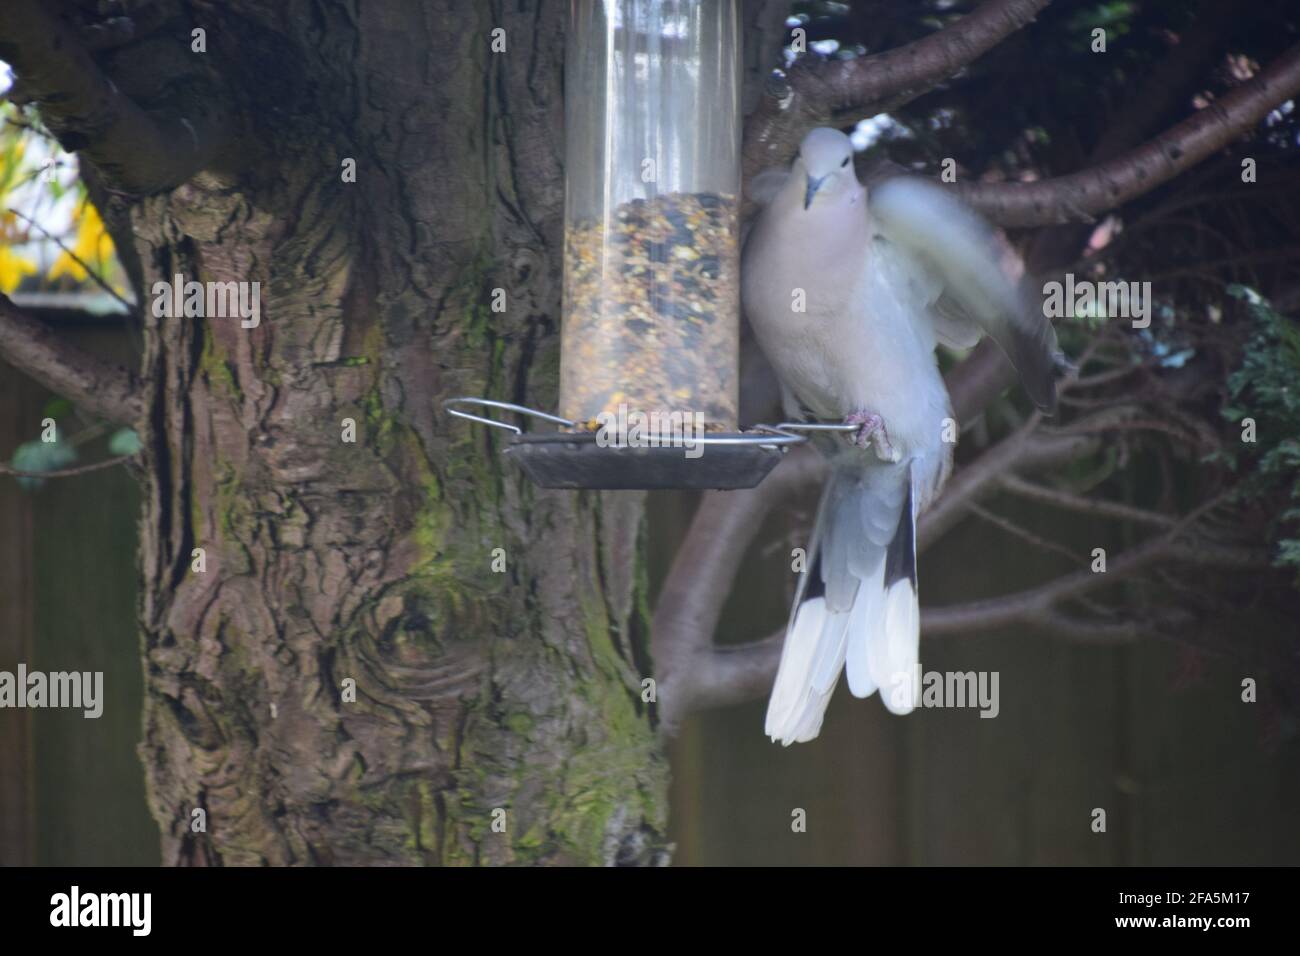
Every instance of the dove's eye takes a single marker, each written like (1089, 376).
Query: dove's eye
(845, 163)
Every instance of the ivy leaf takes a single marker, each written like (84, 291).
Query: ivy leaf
(124, 441)
(41, 456)
(57, 407)
(1263, 388)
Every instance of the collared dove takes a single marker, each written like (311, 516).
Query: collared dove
(848, 289)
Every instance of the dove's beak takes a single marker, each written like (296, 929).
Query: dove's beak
(813, 186)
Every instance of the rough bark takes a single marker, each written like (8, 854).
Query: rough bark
(475, 690)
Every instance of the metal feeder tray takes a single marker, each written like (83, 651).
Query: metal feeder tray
(575, 460)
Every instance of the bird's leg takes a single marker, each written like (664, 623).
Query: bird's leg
(871, 433)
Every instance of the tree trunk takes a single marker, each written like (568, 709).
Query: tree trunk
(476, 691)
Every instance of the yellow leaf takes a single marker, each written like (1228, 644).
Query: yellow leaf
(12, 269)
(65, 265)
(92, 246)
(10, 233)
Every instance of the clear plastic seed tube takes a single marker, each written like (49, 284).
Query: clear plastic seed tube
(651, 250)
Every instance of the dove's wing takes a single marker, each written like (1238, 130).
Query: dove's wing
(959, 250)
(952, 326)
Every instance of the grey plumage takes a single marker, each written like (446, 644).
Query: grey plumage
(950, 240)
(882, 275)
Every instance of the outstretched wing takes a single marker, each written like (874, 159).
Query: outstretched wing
(954, 245)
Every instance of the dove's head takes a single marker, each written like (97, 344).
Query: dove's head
(825, 160)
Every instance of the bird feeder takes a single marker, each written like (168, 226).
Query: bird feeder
(650, 330)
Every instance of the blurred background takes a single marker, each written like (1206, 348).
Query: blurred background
(71, 789)
(1155, 731)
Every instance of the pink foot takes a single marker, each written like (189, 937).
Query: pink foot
(871, 433)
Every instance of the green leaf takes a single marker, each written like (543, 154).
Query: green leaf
(124, 441)
(57, 407)
(42, 456)
(1263, 388)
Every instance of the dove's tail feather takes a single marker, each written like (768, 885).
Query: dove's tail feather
(856, 604)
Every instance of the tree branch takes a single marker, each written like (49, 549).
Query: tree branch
(136, 151)
(1082, 195)
(978, 379)
(1085, 631)
(1021, 532)
(765, 32)
(1160, 95)
(1168, 82)
(734, 674)
(102, 388)
(793, 104)
(66, 472)
(1024, 449)
(886, 81)
(703, 569)
(1081, 504)
(1038, 604)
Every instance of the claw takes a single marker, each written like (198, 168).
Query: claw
(872, 433)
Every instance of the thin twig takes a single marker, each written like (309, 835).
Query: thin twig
(1103, 378)
(1083, 505)
(66, 472)
(75, 258)
(1009, 526)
